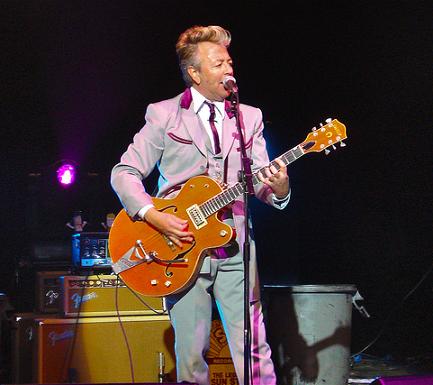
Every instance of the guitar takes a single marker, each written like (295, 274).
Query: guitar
(149, 263)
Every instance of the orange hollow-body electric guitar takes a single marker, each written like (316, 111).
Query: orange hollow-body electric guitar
(149, 263)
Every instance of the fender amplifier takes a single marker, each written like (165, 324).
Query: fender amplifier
(104, 295)
(48, 290)
(101, 350)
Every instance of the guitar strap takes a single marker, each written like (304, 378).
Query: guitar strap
(172, 189)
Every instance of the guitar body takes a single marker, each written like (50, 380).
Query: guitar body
(160, 277)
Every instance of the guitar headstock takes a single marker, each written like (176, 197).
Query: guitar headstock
(325, 136)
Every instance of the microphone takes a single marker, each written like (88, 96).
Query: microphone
(229, 83)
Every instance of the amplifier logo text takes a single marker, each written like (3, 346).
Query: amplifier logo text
(53, 337)
(78, 299)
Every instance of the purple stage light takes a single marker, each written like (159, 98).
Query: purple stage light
(66, 174)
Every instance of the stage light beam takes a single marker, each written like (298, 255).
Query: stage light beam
(66, 174)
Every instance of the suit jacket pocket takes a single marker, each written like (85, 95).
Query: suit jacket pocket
(179, 139)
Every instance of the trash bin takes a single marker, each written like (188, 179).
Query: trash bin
(309, 330)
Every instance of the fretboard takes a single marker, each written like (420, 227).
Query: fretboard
(227, 196)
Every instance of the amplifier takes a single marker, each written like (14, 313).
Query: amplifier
(48, 349)
(23, 336)
(48, 291)
(95, 295)
(90, 250)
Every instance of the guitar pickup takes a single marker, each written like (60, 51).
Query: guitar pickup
(197, 217)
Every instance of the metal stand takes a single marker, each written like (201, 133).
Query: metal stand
(245, 178)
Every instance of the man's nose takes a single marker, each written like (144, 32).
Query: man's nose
(228, 69)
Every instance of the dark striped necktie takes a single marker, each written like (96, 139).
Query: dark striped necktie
(213, 127)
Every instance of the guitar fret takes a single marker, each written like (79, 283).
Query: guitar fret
(297, 152)
(216, 203)
(226, 198)
(205, 208)
(220, 201)
(232, 193)
(289, 157)
(212, 205)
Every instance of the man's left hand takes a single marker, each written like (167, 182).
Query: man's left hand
(277, 180)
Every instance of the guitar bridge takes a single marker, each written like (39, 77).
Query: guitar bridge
(197, 217)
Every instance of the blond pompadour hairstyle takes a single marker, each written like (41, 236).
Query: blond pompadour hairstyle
(186, 46)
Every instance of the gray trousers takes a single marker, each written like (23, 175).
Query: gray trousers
(191, 317)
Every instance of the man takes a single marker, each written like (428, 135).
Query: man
(179, 138)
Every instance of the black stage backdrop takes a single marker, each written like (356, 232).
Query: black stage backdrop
(77, 76)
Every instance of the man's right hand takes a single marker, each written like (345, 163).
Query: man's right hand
(174, 228)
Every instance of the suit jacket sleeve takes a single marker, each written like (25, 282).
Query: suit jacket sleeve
(138, 162)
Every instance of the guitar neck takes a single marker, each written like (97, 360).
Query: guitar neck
(227, 196)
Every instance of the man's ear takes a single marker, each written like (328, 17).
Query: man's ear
(194, 74)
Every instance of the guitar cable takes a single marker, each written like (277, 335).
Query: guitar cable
(143, 302)
(122, 328)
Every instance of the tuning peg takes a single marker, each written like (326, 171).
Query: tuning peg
(333, 146)
(342, 144)
(329, 120)
(314, 128)
(321, 124)
(327, 151)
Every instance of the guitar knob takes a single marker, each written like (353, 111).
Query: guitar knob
(223, 233)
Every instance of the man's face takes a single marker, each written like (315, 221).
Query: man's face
(215, 64)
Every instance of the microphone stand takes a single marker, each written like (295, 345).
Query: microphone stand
(245, 178)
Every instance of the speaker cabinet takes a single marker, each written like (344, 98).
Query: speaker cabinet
(405, 380)
(50, 349)
(23, 338)
(100, 349)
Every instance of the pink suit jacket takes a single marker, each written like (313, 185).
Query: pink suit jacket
(174, 139)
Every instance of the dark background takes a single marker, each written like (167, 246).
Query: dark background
(77, 76)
